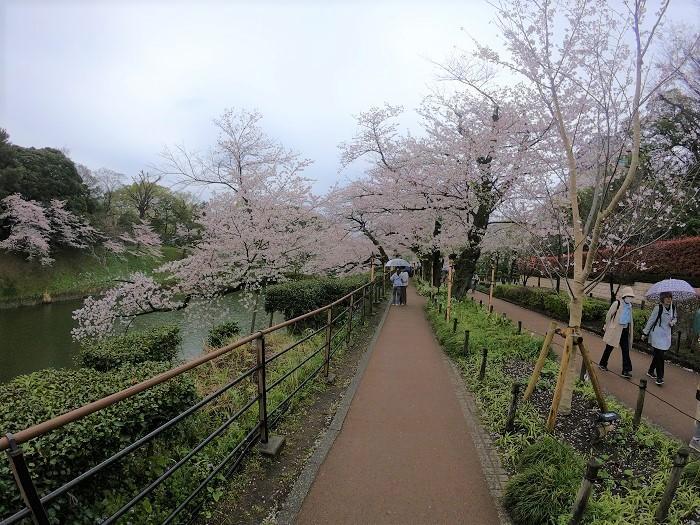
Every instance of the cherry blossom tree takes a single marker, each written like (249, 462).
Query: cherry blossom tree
(30, 229)
(265, 223)
(592, 70)
(35, 229)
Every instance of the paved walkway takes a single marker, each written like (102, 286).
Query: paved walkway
(404, 454)
(679, 388)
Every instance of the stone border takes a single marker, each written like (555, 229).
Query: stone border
(290, 509)
(496, 477)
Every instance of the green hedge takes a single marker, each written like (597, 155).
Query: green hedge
(59, 456)
(156, 344)
(222, 333)
(557, 305)
(295, 298)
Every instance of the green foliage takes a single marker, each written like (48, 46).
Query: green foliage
(541, 493)
(295, 298)
(41, 175)
(58, 456)
(157, 344)
(222, 333)
(551, 451)
(73, 273)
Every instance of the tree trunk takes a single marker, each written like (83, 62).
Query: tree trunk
(558, 283)
(436, 263)
(465, 266)
(575, 315)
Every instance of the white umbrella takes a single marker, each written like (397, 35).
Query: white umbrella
(679, 289)
(398, 262)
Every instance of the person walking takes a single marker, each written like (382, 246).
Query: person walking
(658, 330)
(619, 327)
(396, 288)
(404, 283)
(695, 440)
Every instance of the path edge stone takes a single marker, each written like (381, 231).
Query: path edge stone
(496, 476)
(292, 506)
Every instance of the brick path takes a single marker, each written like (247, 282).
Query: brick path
(406, 452)
(680, 383)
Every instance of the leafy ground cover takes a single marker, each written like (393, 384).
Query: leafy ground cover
(542, 490)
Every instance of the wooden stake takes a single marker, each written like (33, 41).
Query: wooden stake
(592, 374)
(371, 268)
(563, 367)
(540, 360)
(493, 276)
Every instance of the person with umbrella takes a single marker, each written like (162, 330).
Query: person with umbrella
(404, 284)
(396, 279)
(658, 329)
(662, 319)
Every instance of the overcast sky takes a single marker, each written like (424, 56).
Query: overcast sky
(115, 81)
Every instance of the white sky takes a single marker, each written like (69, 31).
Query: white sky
(115, 81)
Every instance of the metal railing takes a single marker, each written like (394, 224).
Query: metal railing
(358, 305)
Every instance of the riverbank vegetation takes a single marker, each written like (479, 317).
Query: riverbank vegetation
(546, 470)
(73, 274)
(117, 362)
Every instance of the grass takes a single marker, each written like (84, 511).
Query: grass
(541, 490)
(73, 273)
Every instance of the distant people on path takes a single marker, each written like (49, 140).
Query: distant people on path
(395, 279)
(619, 328)
(658, 330)
(404, 283)
(475, 282)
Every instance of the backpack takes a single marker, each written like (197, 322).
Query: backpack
(660, 312)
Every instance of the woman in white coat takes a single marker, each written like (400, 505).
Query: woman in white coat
(658, 329)
(619, 327)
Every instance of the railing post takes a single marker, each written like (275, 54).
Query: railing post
(679, 463)
(350, 309)
(370, 303)
(454, 325)
(520, 327)
(584, 491)
(262, 387)
(327, 361)
(269, 445)
(364, 292)
(465, 348)
(640, 404)
(23, 479)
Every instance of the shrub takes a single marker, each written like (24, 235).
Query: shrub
(594, 310)
(540, 494)
(549, 451)
(58, 456)
(295, 298)
(157, 344)
(222, 333)
(556, 305)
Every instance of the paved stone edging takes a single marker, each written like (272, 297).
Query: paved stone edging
(496, 477)
(292, 505)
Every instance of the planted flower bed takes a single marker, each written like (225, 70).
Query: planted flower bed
(546, 470)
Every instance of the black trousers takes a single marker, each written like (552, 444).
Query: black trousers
(657, 363)
(624, 347)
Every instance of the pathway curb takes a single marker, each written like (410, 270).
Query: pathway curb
(292, 505)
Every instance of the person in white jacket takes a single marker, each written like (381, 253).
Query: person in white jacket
(658, 330)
